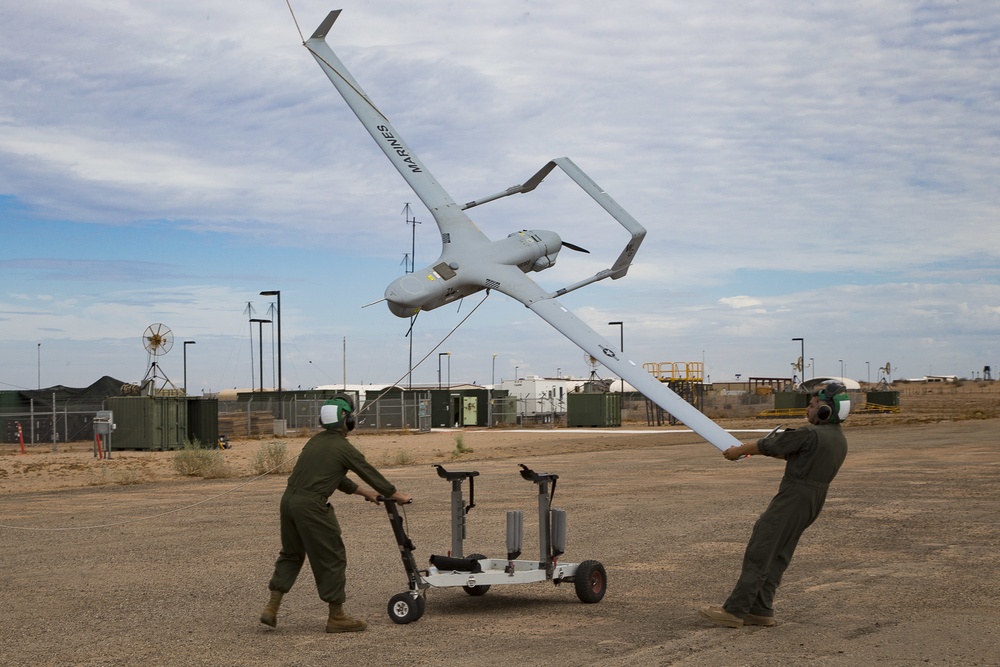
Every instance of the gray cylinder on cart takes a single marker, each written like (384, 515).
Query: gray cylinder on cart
(515, 532)
(558, 531)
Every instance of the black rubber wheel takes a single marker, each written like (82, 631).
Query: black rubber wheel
(590, 581)
(476, 591)
(405, 608)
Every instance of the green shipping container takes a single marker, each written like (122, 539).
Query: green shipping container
(791, 400)
(149, 423)
(203, 421)
(597, 410)
(887, 398)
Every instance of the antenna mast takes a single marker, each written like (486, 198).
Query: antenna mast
(413, 222)
(250, 312)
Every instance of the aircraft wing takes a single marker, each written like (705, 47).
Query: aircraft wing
(454, 224)
(591, 342)
(519, 286)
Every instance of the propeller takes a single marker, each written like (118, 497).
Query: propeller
(571, 246)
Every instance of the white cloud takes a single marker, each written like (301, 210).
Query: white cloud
(741, 302)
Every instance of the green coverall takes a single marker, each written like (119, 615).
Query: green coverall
(813, 455)
(308, 524)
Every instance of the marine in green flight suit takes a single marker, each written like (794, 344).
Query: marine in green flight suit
(813, 456)
(309, 527)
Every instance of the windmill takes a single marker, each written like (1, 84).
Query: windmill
(157, 339)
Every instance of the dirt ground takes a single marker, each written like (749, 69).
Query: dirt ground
(127, 562)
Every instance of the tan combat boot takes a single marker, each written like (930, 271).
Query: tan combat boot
(341, 622)
(721, 616)
(754, 619)
(270, 614)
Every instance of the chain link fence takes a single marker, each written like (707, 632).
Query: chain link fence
(268, 416)
(40, 428)
(259, 415)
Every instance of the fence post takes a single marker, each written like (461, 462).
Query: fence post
(54, 447)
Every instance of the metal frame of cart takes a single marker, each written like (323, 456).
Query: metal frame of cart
(476, 573)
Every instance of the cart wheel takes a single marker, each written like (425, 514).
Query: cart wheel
(476, 591)
(591, 581)
(405, 608)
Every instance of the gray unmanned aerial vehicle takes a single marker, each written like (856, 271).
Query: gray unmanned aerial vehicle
(471, 262)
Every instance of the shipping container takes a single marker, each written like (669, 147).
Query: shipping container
(149, 422)
(597, 410)
(885, 398)
(203, 421)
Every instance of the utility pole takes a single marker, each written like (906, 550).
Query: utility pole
(260, 342)
(250, 312)
(281, 403)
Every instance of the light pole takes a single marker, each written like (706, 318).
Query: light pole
(186, 343)
(493, 382)
(621, 346)
(260, 342)
(802, 358)
(441, 354)
(841, 368)
(868, 370)
(277, 293)
(621, 334)
(39, 365)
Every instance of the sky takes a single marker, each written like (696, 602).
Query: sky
(822, 170)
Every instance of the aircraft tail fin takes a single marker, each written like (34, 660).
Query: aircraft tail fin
(638, 232)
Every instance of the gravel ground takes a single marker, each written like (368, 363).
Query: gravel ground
(900, 569)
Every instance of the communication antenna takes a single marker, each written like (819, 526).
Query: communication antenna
(799, 367)
(410, 268)
(157, 339)
(413, 222)
(884, 373)
(250, 311)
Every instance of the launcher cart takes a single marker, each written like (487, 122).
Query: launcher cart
(476, 573)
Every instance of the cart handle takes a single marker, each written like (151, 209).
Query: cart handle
(451, 476)
(540, 478)
(458, 476)
(382, 499)
(532, 476)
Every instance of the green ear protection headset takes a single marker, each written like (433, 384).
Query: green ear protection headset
(338, 412)
(836, 394)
